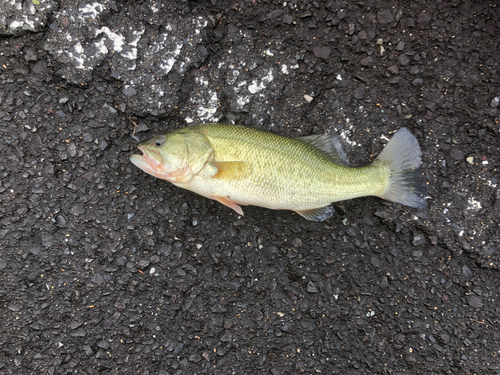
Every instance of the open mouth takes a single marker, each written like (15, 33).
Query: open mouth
(150, 158)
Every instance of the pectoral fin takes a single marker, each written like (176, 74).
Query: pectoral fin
(232, 170)
(317, 214)
(229, 203)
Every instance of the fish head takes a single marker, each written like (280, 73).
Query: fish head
(165, 157)
(176, 156)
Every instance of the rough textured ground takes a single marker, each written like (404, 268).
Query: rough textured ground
(104, 269)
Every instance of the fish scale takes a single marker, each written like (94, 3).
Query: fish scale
(288, 170)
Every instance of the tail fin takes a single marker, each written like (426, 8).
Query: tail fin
(402, 157)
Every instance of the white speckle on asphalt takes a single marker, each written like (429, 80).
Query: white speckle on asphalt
(255, 86)
(473, 204)
(91, 10)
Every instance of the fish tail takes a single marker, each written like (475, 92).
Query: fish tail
(401, 157)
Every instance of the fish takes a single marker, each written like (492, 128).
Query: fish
(238, 165)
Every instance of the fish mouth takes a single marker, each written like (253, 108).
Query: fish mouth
(149, 159)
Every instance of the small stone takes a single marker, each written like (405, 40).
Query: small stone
(475, 301)
(312, 288)
(322, 52)
(103, 145)
(72, 149)
(61, 221)
(194, 358)
(75, 324)
(494, 102)
(419, 239)
(289, 327)
(273, 357)
(47, 240)
(104, 344)
(457, 154)
(351, 28)
(141, 128)
(404, 60)
(129, 91)
(466, 271)
(394, 69)
(424, 17)
(308, 98)
(414, 70)
(288, 19)
(98, 279)
(30, 54)
(35, 250)
(367, 61)
(417, 82)
(88, 350)
(400, 46)
(385, 16)
(274, 14)
(359, 93)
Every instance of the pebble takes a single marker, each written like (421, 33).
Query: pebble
(287, 19)
(494, 102)
(424, 17)
(457, 154)
(419, 239)
(72, 149)
(322, 52)
(394, 69)
(385, 16)
(404, 60)
(98, 279)
(475, 301)
(359, 93)
(103, 145)
(142, 127)
(30, 54)
(275, 14)
(129, 91)
(312, 288)
(367, 61)
(417, 82)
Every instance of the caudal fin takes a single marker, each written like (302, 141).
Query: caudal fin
(402, 157)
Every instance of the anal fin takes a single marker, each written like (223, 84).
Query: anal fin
(317, 214)
(229, 203)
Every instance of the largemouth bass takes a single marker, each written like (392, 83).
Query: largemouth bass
(237, 165)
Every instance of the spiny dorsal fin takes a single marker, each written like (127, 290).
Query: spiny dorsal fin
(330, 145)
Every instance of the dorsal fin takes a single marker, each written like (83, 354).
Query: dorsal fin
(330, 145)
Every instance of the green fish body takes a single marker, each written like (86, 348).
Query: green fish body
(237, 165)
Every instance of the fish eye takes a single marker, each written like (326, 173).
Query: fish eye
(159, 141)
